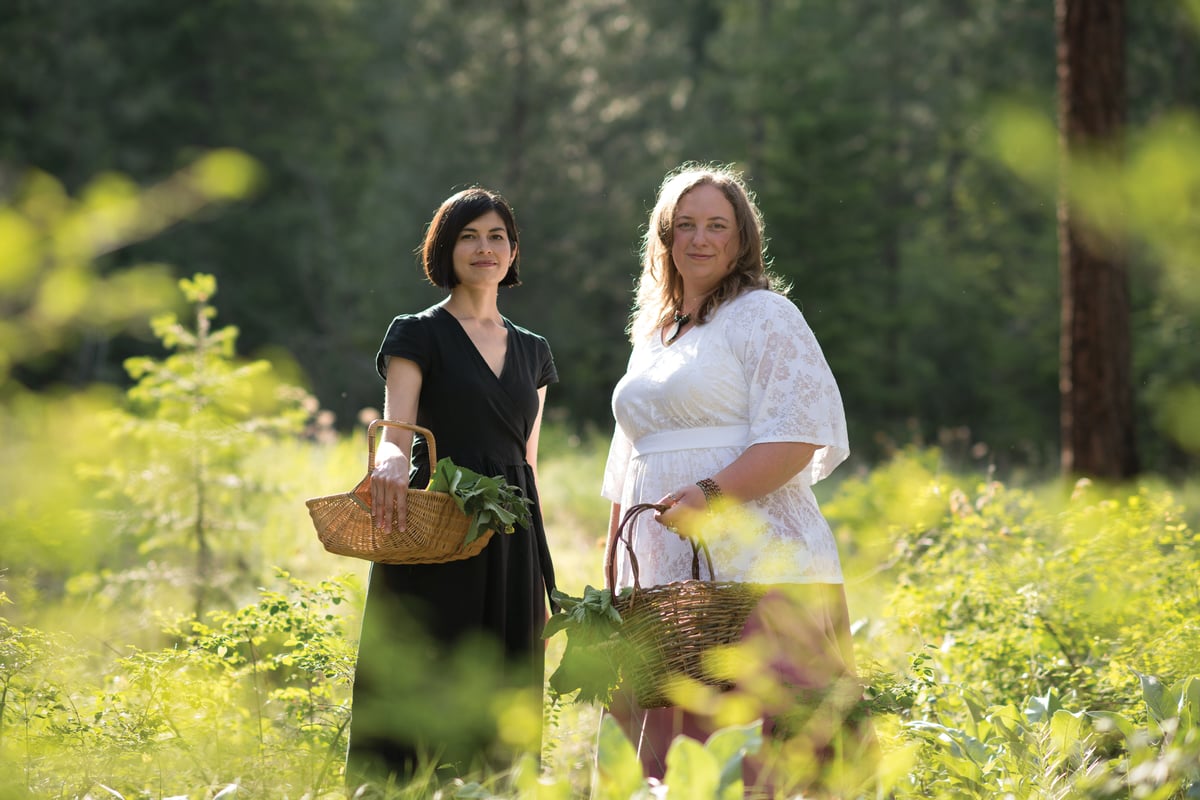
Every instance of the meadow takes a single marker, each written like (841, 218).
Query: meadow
(1020, 642)
(170, 627)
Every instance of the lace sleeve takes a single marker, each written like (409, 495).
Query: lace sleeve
(619, 453)
(793, 396)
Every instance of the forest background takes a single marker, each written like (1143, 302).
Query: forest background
(904, 155)
(920, 246)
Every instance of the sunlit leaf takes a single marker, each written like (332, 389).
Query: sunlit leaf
(19, 251)
(227, 174)
(728, 747)
(692, 771)
(619, 772)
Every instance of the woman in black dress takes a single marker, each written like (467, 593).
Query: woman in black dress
(478, 382)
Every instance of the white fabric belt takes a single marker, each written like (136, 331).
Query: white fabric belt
(692, 439)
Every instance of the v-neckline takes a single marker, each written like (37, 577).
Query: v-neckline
(666, 343)
(661, 336)
(471, 342)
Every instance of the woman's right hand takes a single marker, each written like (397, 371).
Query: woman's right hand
(389, 489)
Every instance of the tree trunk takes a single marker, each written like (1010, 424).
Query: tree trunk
(1095, 361)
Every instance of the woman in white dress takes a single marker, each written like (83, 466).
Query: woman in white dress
(728, 399)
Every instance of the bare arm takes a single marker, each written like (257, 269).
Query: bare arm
(614, 520)
(389, 481)
(757, 472)
(531, 446)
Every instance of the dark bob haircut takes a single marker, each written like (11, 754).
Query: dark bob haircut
(458, 211)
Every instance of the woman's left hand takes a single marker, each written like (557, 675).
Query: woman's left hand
(682, 504)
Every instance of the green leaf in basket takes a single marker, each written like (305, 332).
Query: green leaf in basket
(490, 502)
(474, 530)
(564, 601)
(590, 664)
(554, 625)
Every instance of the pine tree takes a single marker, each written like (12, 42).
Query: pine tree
(193, 418)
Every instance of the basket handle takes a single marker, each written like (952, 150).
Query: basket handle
(379, 423)
(625, 537)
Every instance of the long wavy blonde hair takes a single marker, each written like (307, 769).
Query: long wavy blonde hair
(660, 287)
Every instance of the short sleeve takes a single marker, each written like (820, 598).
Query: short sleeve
(549, 373)
(793, 396)
(407, 338)
(620, 451)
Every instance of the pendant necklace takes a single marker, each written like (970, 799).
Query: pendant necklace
(680, 320)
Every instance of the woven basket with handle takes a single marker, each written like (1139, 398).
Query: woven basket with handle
(667, 629)
(435, 528)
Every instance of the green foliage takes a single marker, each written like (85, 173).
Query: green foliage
(51, 288)
(1142, 199)
(174, 483)
(1041, 749)
(265, 685)
(590, 663)
(21, 653)
(865, 132)
(46, 536)
(1013, 589)
(491, 503)
(1037, 643)
(709, 770)
(1037, 618)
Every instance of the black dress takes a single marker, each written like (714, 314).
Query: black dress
(481, 422)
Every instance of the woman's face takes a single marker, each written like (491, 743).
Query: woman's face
(706, 239)
(483, 252)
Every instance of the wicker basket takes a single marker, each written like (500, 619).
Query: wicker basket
(668, 628)
(435, 527)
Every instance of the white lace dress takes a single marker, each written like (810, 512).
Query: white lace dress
(754, 373)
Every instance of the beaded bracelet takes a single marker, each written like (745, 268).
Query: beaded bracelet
(711, 489)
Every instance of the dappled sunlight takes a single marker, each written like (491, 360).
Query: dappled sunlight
(49, 244)
(1148, 194)
(1143, 198)
(1018, 593)
(171, 626)
(1162, 182)
(1000, 591)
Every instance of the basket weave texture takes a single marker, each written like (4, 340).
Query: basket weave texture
(435, 527)
(667, 629)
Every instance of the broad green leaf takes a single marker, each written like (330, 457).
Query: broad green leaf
(1010, 724)
(1155, 696)
(1042, 707)
(563, 599)
(961, 744)
(618, 770)
(692, 772)
(555, 624)
(729, 746)
(1067, 733)
(1188, 691)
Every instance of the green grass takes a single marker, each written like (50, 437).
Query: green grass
(1006, 632)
